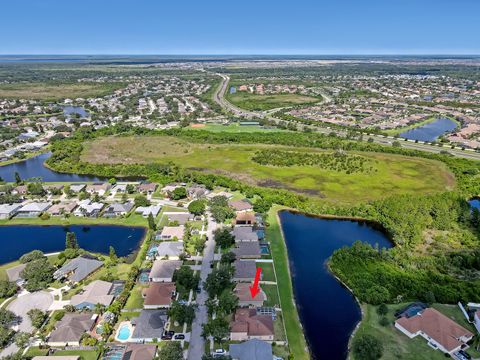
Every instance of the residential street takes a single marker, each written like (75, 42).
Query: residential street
(197, 344)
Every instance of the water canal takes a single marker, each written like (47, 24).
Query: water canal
(328, 311)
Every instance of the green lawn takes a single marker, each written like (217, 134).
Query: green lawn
(236, 128)
(84, 354)
(132, 220)
(267, 271)
(391, 174)
(135, 300)
(296, 339)
(399, 346)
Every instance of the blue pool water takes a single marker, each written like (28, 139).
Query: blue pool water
(124, 332)
(474, 203)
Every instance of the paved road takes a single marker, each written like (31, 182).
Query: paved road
(196, 347)
(219, 97)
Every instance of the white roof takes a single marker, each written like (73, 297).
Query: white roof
(35, 206)
(8, 209)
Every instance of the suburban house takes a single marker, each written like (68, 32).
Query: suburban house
(148, 325)
(52, 189)
(247, 250)
(476, 320)
(139, 352)
(242, 291)
(240, 205)
(98, 188)
(76, 188)
(171, 233)
(88, 208)
(147, 210)
(77, 269)
(180, 217)
(148, 188)
(244, 233)
(120, 188)
(251, 350)
(71, 328)
(245, 218)
(62, 208)
(117, 209)
(247, 325)
(244, 270)
(20, 190)
(220, 193)
(7, 211)
(60, 357)
(158, 295)
(170, 250)
(33, 209)
(197, 191)
(440, 331)
(97, 292)
(162, 270)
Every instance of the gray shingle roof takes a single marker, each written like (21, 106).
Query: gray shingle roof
(79, 268)
(244, 233)
(149, 324)
(251, 350)
(71, 327)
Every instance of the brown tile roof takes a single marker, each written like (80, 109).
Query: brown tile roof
(159, 294)
(240, 205)
(242, 291)
(245, 217)
(247, 320)
(140, 352)
(436, 325)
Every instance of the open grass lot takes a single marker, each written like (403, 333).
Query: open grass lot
(55, 91)
(132, 220)
(84, 354)
(397, 345)
(250, 101)
(296, 339)
(236, 128)
(267, 271)
(395, 174)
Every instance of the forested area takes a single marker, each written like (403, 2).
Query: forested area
(436, 236)
(338, 160)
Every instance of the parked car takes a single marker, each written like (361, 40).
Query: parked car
(169, 333)
(166, 337)
(179, 337)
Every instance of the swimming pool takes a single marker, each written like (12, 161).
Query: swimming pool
(124, 332)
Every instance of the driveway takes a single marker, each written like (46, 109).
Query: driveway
(25, 302)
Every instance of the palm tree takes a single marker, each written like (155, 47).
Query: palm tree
(476, 342)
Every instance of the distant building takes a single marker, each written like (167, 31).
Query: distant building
(77, 269)
(7, 211)
(33, 209)
(117, 209)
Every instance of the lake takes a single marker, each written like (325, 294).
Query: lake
(33, 167)
(16, 240)
(68, 110)
(327, 310)
(430, 131)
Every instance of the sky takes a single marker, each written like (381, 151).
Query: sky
(183, 27)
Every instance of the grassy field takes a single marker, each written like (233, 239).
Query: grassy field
(394, 174)
(256, 102)
(132, 220)
(55, 91)
(295, 337)
(235, 128)
(399, 346)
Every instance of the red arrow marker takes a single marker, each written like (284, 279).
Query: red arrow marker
(254, 290)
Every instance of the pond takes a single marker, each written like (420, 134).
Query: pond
(69, 110)
(16, 240)
(327, 310)
(34, 167)
(430, 131)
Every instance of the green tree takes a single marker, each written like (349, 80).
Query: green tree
(227, 302)
(182, 313)
(224, 238)
(197, 207)
(218, 280)
(18, 179)
(37, 317)
(217, 328)
(71, 241)
(22, 339)
(179, 193)
(367, 347)
(6, 317)
(228, 258)
(32, 255)
(7, 288)
(141, 200)
(382, 309)
(5, 336)
(112, 255)
(184, 277)
(38, 274)
(151, 222)
(171, 351)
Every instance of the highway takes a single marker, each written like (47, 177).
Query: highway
(219, 97)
